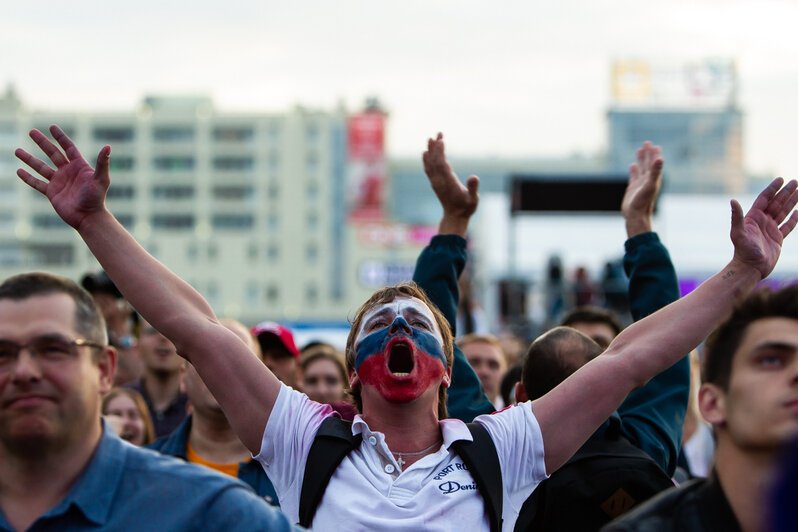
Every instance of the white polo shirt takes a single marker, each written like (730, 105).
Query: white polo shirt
(368, 492)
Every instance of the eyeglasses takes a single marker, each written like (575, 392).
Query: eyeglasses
(46, 348)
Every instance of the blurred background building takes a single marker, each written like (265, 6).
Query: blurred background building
(298, 216)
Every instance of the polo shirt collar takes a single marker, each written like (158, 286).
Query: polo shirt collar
(93, 491)
(451, 429)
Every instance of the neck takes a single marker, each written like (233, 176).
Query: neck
(407, 427)
(32, 484)
(162, 387)
(746, 477)
(214, 440)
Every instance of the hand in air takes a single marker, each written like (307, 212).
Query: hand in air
(641, 193)
(457, 200)
(757, 236)
(74, 188)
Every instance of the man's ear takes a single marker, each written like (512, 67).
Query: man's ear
(712, 404)
(520, 393)
(447, 378)
(354, 380)
(106, 363)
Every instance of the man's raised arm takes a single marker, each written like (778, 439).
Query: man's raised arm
(439, 266)
(244, 387)
(574, 409)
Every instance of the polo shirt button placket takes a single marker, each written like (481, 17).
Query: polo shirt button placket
(372, 440)
(390, 469)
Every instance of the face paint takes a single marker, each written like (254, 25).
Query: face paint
(401, 361)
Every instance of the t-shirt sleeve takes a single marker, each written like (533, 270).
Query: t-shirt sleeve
(289, 433)
(519, 444)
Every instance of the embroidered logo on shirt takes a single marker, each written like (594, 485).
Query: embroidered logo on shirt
(448, 469)
(451, 486)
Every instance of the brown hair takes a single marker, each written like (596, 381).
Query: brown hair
(141, 406)
(386, 295)
(722, 344)
(324, 352)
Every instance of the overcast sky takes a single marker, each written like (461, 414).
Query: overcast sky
(499, 78)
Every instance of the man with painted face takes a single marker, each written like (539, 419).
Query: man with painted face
(401, 405)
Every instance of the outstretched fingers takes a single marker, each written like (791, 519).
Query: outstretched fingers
(787, 227)
(766, 196)
(42, 168)
(783, 202)
(32, 181)
(66, 143)
(50, 149)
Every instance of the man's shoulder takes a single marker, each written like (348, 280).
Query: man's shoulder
(678, 508)
(170, 471)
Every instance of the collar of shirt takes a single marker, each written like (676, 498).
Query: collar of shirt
(452, 430)
(93, 491)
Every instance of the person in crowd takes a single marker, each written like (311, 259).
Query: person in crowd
(324, 378)
(600, 324)
(750, 397)
(399, 357)
(160, 384)
(650, 419)
(61, 467)
(120, 320)
(486, 356)
(127, 413)
(206, 438)
(698, 444)
(280, 353)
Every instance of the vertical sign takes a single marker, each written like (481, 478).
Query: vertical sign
(367, 166)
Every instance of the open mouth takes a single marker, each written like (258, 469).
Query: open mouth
(400, 359)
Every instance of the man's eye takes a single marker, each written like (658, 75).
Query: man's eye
(52, 347)
(770, 361)
(420, 323)
(7, 352)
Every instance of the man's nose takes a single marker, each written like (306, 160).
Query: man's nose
(26, 368)
(399, 325)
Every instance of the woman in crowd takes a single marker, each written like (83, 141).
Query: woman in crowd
(127, 413)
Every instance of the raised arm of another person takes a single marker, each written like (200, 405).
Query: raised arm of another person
(439, 266)
(573, 410)
(243, 385)
(653, 415)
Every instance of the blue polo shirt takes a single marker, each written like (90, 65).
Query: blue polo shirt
(128, 488)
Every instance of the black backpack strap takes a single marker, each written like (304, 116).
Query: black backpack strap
(333, 441)
(482, 462)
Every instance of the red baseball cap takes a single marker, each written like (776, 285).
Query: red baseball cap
(282, 333)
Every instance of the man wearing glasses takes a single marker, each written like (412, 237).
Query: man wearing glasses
(60, 466)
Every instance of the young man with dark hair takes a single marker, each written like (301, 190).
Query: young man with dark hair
(61, 467)
(400, 423)
(750, 397)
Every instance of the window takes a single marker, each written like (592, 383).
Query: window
(273, 252)
(113, 133)
(173, 163)
(312, 221)
(252, 252)
(311, 133)
(311, 294)
(233, 192)
(273, 191)
(312, 162)
(120, 192)
(233, 163)
(272, 293)
(273, 222)
(121, 163)
(173, 221)
(126, 220)
(274, 162)
(312, 191)
(232, 133)
(52, 254)
(10, 255)
(172, 192)
(312, 252)
(232, 221)
(173, 133)
(48, 221)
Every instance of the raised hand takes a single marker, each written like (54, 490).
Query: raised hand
(459, 201)
(757, 236)
(641, 192)
(74, 188)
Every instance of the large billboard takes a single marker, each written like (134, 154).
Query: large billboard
(367, 166)
(709, 83)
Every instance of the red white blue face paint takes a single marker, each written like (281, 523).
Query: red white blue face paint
(399, 350)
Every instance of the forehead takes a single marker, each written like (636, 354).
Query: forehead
(122, 401)
(24, 318)
(481, 349)
(403, 306)
(763, 332)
